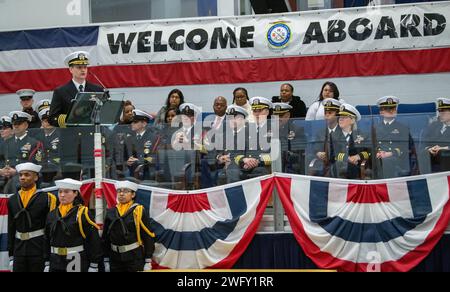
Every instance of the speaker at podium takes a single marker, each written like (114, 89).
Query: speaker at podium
(270, 6)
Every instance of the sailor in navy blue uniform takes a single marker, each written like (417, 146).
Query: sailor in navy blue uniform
(229, 160)
(437, 138)
(72, 241)
(27, 213)
(62, 96)
(26, 100)
(78, 143)
(51, 142)
(393, 142)
(142, 146)
(351, 144)
(128, 241)
(22, 148)
(257, 160)
(321, 158)
(292, 139)
(6, 129)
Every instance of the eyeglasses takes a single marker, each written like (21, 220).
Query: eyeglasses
(125, 191)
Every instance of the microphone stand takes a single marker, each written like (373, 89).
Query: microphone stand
(99, 153)
(374, 159)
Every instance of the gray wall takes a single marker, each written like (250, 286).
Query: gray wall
(23, 14)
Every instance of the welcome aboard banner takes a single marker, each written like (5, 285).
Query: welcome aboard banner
(374, 41)
(308, 33)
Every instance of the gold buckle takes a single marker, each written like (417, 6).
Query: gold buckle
(62, 251)
(24, 236)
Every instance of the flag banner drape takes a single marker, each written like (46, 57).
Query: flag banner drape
(385, 225)
(366, 226)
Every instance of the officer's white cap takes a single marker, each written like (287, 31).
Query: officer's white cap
(25, 93)
(141, 115)
(19, 115)
(28, 167)
(68, 184)
(233, 110)
(127, 185)
(77, 58)
(331, 103)
(443, 103)
(349, 110)
(259, 102)
(5, 120)
(188, 108)
(43, 113)
(43, 104)
(388, 101)
(281, 108)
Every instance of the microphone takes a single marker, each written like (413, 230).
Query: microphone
(105, 90)
(98, 80)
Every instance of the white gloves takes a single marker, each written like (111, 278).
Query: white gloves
(107, 266)
(93, 268)
(148, 265)
(11, 264)
(47, 267)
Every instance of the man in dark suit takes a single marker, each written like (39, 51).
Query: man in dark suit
(61, 104)
(62, 96)
(287, 96)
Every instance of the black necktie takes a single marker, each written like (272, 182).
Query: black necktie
(332, 152)
(80, 88)
(139, 137)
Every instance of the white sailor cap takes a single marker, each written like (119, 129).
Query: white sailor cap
(388, 101)
(127, 185)
(6, 121)
(234, 110)
(259, 103)
(189, 109)
(280, 108)
(349, 111)
(43, 114)
(43, 104)
(28, 167)
(443, 103)
(331, 104)
(69, 184)
(19, 116)
(25, 93)
(77, 58)
(139, 115)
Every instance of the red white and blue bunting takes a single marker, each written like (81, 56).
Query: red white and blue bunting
(389, 225)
